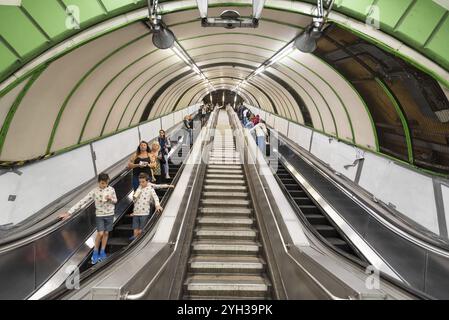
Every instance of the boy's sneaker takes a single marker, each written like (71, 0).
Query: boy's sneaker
(95, 257)
(103, 256)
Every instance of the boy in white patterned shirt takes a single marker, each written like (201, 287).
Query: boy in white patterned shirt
(143, 197)
(105, 199)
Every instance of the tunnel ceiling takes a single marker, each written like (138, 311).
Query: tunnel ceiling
(120, 79)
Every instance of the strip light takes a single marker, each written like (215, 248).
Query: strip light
(182, 54)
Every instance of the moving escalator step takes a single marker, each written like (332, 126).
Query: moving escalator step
(116, 241)
(327, 231)
(316, 219)
(341, 244)
(303, 201)
(309, 209)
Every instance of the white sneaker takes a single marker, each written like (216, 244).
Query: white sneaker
(167, 177)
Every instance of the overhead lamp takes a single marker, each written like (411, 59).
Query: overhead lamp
(163, 38)
(307, 41)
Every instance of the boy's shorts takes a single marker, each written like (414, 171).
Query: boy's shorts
(104, 223)
(139, 222)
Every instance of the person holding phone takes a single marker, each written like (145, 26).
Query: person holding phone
(144, 198)
(139, 162)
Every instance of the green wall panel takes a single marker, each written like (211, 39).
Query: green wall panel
(112, 5)
(355, 8)
(391, 12)
(7, 58)
(89, 9)
(438, 46)
(417, 26)
(49, 14)
(19, 31)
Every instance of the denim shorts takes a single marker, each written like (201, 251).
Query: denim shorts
(139, 222)
(104, 223)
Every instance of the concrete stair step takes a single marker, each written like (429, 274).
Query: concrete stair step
(226, 167)
(223, 188)
(225, 176)
(224, 182)
(217, 211)
(224, 171)
(226, 264)
(234, 247)
(226, 233)
(225, 202)
(225, 222)
(238, 286)
(225, 194)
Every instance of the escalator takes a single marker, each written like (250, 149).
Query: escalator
(226, 256)
(312, 214)
(119, 239)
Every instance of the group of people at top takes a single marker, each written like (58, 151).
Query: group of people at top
(256, 126)
(146, 164)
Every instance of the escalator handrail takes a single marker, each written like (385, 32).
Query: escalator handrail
(116, 256)
(147, 288)
(244, 139)
(383, 275)
(405, 231)
(52, 226)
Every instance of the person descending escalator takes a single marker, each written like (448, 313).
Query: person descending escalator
(143, 199)
(105, 199)
(155, 162)
(188, 127)
(139, 162)
(203, 115)
(164, 142)
(261, 135)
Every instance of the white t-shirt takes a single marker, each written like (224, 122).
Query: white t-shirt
(103, 208)
(143, 197)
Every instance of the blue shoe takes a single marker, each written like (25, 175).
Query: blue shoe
(103, 256)
(132, 238)
(95, 257)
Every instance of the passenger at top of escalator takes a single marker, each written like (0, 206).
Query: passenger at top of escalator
(105, 199)
(164, 142)
(139, 162)
(256, 119)
(188, 126)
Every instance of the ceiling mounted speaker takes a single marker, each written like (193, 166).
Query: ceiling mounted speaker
(307, 41)
(163, 38)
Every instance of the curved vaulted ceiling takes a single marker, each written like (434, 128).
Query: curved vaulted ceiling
(119, 79)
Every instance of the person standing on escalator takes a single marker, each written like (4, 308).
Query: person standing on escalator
(139, 162)
(144, 198)
(164, 142)
(105, 199)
